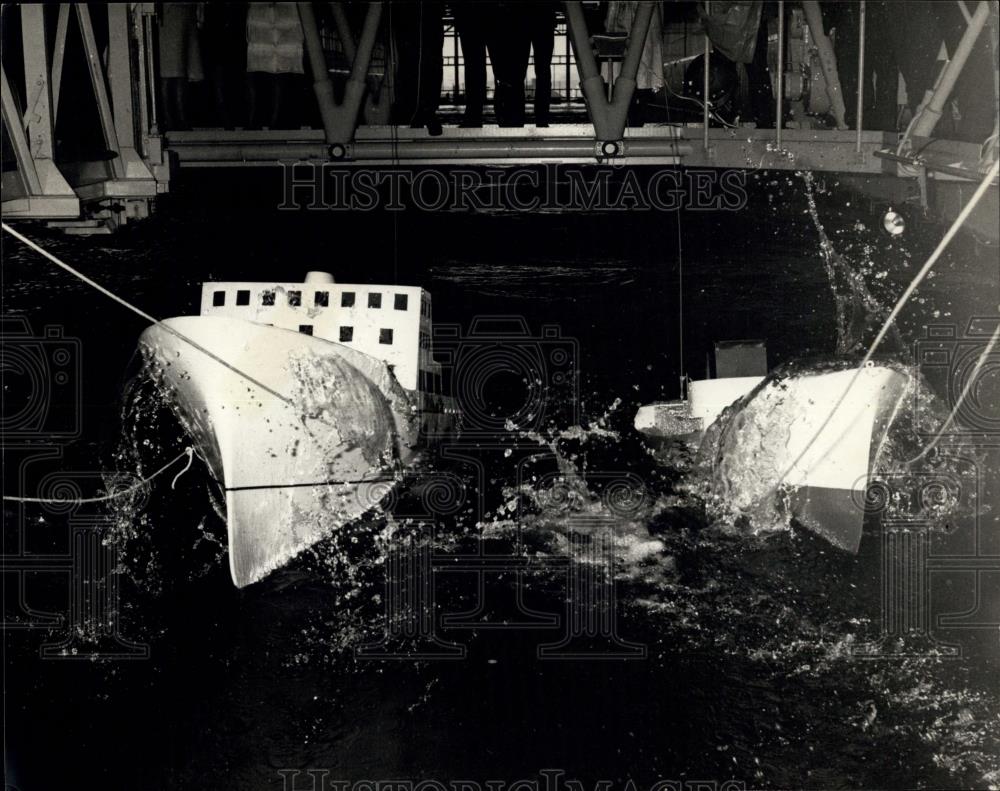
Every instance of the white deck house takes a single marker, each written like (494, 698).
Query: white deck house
(390, 323)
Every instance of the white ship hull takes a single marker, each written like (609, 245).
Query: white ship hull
(810, 439)
(298, 431)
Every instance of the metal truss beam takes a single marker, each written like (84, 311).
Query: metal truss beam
(608, 117)
(43, 192)
(340, 118)
(51, 192)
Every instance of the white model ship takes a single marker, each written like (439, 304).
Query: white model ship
(810, 438)
(305, 399)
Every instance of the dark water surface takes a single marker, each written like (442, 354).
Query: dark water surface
(750, 670)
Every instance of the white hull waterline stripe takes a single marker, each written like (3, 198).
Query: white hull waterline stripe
(303, 485)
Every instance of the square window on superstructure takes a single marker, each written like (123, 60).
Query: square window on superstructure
(375, 300)
(243, 297)
(267, 298)
(385, 336)
(346, 334)
(322, 299)
(218, 299)
(401, 301)
(294, 298)
(306, 329)
(347, 299)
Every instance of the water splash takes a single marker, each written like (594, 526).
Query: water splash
(859, 313)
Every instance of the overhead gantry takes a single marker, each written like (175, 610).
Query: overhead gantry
(103, 193)
(83, 195)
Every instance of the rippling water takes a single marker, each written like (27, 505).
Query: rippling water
(751, 668)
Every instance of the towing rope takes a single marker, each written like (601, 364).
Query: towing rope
(188, 451)
(151, 319)
(900, 303)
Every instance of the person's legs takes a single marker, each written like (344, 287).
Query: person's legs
(262, 99)
(217, 78)
(498, 47)
(510, 50)
(543, 36)
(166, 105)
(279, 84)
(915, 39)
(841, 20)
(431, 64)
(180, 94)
(470, 22)
(252, 99)
(759, 81)
(880, 105)
(404, 19)
(173, 51)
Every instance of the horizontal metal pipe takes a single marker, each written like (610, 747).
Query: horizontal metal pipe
(951, 170)
(528, 149)
(427, 149)
(251, 152)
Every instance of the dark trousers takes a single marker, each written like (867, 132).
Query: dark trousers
(472, 20)
(542, 33)
(510, 47)
(881, 70)
(761, 97)
(899, 37)
(419, 34)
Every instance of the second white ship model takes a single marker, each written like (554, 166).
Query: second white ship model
(305, 399)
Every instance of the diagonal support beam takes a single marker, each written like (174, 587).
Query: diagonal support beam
(343, 26)
(93, 56)
(930, 113)
(58, 54)
(607, 117)
(38, 119)
(19, 142)
(45, 192)
(340, 119)
(121, 80)
(377, 109)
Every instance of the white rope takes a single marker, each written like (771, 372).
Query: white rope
(918, 279)
(904, 297)
(38, 249)
(189, 452)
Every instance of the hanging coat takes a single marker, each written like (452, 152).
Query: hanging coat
(274, 38)
(619, 20)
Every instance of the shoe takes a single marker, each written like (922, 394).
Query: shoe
(434, 126)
